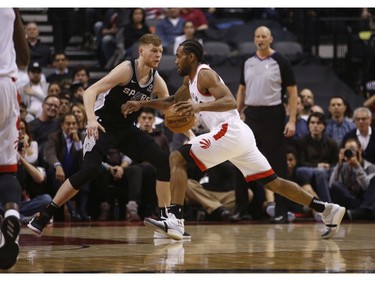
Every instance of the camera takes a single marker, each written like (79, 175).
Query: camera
(348, 153)
(20, 145)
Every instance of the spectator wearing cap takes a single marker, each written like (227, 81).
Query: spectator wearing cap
(76, 90)
(23, 77)
(34, 92)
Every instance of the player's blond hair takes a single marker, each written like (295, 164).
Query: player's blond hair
(150, 38)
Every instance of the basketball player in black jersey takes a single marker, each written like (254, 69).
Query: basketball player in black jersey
(107, 128)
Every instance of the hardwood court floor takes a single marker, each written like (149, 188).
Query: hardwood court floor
(253, 247)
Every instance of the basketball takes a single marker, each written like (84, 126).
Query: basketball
(178, 123)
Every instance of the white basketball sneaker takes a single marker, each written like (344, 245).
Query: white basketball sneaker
(158, 235)
(171, 226)
(332, 217)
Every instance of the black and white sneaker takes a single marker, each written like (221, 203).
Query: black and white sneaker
(9, 248)
(158, 235)
(38, 223)
(332, 217)
(169, 226)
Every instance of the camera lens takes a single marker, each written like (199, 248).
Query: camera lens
(348, 153)
(20, 145)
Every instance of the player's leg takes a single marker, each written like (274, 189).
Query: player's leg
(217, 147)
(332, 214)
(10, 194)
(255, 167)
(142, 147)
(160, 160)
(10, 189)
(91, 165)
(173, 225)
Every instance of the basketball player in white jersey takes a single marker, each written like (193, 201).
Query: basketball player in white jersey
(14, 53)
(204, 92)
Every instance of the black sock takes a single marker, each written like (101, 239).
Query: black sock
(51, 209)
(178, 211)
(317, 205)
(163, 212)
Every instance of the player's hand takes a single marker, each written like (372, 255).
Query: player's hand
(92, 129)
(185, 107)
(129, 107)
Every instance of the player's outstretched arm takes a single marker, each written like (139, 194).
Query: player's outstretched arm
(160, 104)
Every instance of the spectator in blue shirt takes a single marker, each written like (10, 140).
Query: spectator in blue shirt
(338, 125)
(170, 27)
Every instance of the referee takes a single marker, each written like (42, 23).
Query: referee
(267, 83)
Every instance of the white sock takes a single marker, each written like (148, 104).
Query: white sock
(12, 212)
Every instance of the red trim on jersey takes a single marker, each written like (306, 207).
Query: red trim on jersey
(200, 165)
(222, 132)
(260, 175)
(19, 116)
(8, 168)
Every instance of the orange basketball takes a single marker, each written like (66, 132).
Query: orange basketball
(178, 123)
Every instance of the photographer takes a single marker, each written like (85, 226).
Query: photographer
(28, 164)
(351, 183)
(31, 178)
(26, 144)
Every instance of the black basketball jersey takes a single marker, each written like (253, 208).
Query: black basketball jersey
(108, 105)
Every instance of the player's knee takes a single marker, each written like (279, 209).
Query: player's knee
(10, 189)
(163, 173)
(274, 185)
(162, 168)
(86, 174)
(148, 170)
(92, 169)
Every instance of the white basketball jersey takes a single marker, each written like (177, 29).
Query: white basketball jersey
(8, 66)
(9, 109)
(211, 119)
